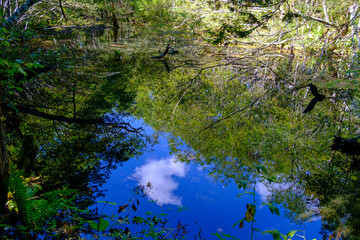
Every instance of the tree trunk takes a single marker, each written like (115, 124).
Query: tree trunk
(14, 18)
(354, 31)
(4, 168)
(114, 19)
(326, 15)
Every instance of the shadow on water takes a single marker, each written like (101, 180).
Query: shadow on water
(277, 127)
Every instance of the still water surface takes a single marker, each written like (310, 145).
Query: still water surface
(225, 105)
(207, 206)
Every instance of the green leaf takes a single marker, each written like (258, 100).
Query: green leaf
(238, 222)
(261, 168)
(277, 211)
(33, 65)
(93, 225)
(180, 209)
(218, 236)
(275, 233)
(246, 192)
(3, 62)
(138, 220)
(242, 184)
(225, 235)
(292, 233)
(21, 70)
(284, 236)
(273, 209)
(111, 203)
(270, 179)
(6, 44)
(101, 226)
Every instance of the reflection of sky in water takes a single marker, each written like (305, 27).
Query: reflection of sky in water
(209, 205)
(159, 174)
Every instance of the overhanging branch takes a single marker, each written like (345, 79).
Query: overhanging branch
(93, 121)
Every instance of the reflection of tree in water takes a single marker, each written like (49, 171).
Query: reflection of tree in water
(69, 129)
(234, 112)
(241, 111)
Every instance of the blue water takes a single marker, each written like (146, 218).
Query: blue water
(207, 205)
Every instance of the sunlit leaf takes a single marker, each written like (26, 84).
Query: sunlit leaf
(292, 233)
(21, 70)
(284, 237)
(250, 212)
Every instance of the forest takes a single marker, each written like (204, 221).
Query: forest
(251, 90)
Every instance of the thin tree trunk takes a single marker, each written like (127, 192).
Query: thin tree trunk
(14, 18)
(354, 31)
(4, 168)
(326, 15)
(62, 10)
(114, 19)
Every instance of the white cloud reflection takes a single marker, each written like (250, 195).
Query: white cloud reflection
(263, 191)
(158, 173)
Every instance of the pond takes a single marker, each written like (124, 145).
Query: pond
(186, 194)
(184, 94)
(192, 140)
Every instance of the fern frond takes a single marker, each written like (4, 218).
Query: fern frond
(35, 211)
(19, 190)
